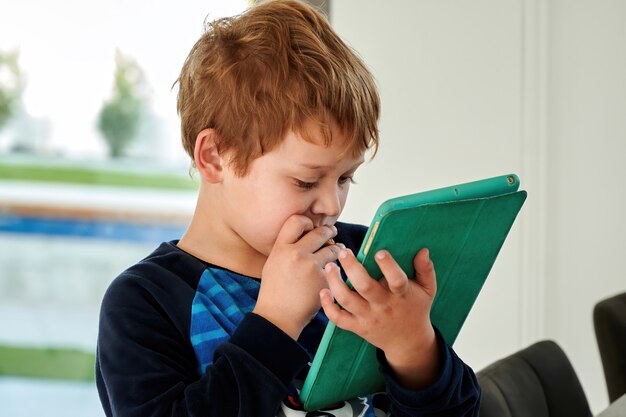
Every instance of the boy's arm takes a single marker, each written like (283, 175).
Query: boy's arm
(145, 365)
(454, 393)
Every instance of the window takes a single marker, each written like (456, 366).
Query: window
(77, 208)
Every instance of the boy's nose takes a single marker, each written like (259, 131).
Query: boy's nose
(327, 203)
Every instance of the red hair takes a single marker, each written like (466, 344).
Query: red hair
(271, 69)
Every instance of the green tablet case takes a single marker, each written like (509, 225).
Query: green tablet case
(464, 227)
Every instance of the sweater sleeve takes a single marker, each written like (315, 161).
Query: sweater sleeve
(455, 393)
(146, 367)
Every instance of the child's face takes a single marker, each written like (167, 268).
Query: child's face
(297, 177)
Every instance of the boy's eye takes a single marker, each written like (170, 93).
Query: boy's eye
(345, 180)
(311, 185)
(306, 185)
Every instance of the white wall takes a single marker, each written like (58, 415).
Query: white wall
(482, 88)
(586, 126)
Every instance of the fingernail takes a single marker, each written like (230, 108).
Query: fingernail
(343, 254)
(380, 254)
(341, 245)
(427, 254)
(328, 266)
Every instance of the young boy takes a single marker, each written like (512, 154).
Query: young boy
(277, 114)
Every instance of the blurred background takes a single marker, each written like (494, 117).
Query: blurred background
(93, 177)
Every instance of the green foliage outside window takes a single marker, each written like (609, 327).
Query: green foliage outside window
(11, 86)
(120, 117)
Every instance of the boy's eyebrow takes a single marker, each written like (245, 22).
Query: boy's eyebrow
(313, 166)
(316, 167)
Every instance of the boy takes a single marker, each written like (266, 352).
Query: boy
(277, 114)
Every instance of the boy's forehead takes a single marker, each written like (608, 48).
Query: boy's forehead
(318, 156)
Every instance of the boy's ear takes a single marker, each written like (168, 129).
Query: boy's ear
(206, 157)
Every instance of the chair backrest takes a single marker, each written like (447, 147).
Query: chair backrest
(609, 319)
(538, 381)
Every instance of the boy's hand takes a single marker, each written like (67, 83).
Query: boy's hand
(293, 274)
(393, 314)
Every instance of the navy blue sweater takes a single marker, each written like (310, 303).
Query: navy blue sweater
(177, 338)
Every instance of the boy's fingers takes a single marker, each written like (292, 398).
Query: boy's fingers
(347, 298)
(350, 264)
(327, 255)
(395, 277)
(366, 286)
(425, 271)
(293, 229)
(315, 239)
(342, 318)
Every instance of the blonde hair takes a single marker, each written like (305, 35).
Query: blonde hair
(255, 76)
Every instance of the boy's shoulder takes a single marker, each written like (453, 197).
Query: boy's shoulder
(166, 272)
(166, 259)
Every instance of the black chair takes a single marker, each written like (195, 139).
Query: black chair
(538, 381)
(609, 320)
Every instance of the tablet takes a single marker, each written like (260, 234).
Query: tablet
(463, 226)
